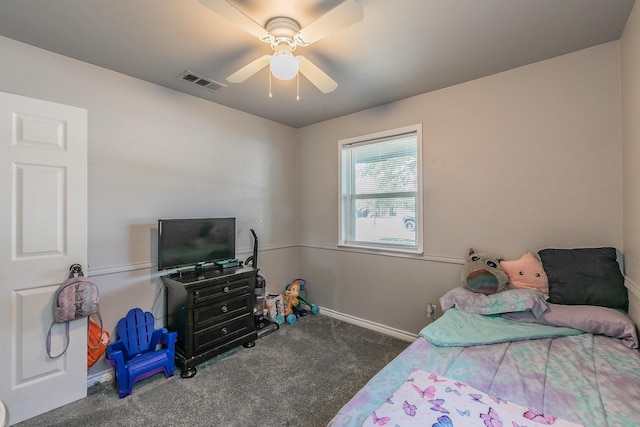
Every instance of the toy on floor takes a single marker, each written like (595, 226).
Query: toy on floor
(275, 308)
(292, 300)
(262, 311)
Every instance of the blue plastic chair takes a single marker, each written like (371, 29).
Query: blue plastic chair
(141, 351)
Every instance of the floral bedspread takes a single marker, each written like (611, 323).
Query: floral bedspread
(426, 399)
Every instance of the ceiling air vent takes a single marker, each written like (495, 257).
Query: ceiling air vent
(191, 77)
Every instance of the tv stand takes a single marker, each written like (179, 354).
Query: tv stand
(212, 311)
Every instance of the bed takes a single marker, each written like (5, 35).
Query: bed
(516, 359)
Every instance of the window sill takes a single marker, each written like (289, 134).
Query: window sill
(382, 250)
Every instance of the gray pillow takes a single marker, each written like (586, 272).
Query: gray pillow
(595, 320)
(502, 302)
(585, 276)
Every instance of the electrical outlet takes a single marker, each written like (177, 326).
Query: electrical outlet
(432, 311)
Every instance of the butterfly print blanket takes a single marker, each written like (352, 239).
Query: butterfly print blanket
(426, 399)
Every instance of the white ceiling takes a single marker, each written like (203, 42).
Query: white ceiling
(401, 48)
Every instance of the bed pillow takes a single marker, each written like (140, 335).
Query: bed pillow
(588, 318)
(502, 302)
(586, 276)
(526, 273)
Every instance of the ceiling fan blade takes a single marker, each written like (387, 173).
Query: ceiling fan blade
(316, 76)
(345, 14)
(234, 15)
(249, 70)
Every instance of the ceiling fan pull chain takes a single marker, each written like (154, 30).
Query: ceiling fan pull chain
(270, 94)
(298, 87)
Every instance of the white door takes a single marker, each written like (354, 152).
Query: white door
(43, 230)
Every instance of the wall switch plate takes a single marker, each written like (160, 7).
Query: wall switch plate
(432, 311)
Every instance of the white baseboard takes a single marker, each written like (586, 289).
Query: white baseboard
(100, 377)
(383, 329)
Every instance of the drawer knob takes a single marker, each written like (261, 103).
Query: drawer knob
(224, 309)
(224, 331)
(226, 289)
(197, 294)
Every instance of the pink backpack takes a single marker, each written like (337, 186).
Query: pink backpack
(75, 298)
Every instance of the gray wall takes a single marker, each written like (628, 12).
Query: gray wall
(630, 60)
(514, 162)
(156, 153)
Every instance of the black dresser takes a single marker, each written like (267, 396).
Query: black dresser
(212, 313)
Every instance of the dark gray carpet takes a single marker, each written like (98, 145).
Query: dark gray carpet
(300, 375)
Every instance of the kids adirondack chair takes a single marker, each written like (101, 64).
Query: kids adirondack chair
(141, 350)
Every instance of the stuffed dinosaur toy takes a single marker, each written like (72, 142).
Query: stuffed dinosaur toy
(483, 274)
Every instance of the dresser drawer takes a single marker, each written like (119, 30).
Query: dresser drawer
(219, 311)
(221, 333)
(220, 290)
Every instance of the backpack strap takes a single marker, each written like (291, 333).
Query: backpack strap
(67, 335)
(49, 340)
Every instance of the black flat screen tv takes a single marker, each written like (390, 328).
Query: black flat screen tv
(195, 241)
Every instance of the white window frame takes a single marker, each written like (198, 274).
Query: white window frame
(345, 216)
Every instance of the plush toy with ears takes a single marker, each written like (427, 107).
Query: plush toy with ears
(293, 301)
(291, 297)
(483, 274)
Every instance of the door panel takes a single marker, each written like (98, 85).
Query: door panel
(43, 230)
(30, 365)
(40, 212)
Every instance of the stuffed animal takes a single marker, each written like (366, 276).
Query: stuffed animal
(483, 274)
(291, 297)
(526, 273)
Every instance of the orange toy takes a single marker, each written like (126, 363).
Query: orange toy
(293, 301)
(291, 298)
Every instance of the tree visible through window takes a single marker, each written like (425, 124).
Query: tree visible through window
(381, 188)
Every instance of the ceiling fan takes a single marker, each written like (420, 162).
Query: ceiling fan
(285, 35)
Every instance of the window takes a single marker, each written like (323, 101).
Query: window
(381, 194)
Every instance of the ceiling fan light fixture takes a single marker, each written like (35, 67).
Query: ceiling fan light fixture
(284, 66)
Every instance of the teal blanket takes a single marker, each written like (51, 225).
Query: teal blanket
(457, 328)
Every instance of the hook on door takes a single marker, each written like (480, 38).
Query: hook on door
(76, 270)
